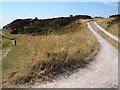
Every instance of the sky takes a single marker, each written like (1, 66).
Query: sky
(10, 11)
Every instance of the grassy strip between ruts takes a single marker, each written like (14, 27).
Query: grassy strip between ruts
(112, 28)
(113, 42)
(40, 58)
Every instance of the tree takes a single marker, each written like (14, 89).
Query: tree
(71, 15)
(36, 18)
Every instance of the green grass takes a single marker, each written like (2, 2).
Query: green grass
(43, 57)
(6, 43)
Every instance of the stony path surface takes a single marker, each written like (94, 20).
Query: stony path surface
(102, 72)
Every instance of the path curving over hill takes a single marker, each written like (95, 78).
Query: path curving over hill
(102, 72)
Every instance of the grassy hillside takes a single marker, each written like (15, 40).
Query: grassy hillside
(110, 24)
(40, 58)
(43, 26)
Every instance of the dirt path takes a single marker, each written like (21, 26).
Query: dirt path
(107, 33)
(102, 72)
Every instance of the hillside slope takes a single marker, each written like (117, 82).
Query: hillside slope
(100, 73)
(43, 57)
(43, 26)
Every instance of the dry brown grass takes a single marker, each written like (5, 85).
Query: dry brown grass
(113, 29)
(113, 42)
(43, 57)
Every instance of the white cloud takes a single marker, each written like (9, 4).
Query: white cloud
(111, 3)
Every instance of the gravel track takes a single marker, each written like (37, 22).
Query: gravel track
(102, 72)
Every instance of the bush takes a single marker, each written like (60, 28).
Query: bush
(45, 26)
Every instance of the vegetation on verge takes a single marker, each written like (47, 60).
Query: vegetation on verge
(40, 58)
(113, 42)
(110, 24)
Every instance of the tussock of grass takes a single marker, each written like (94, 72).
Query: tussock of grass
(43, 57)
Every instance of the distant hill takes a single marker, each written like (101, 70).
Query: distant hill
(41, 26)
(116, 15)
